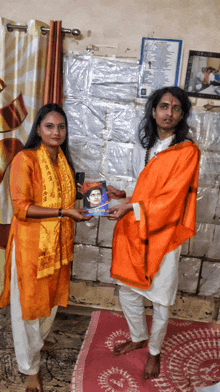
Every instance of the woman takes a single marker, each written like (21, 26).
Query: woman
(152, 225)
(40, 246)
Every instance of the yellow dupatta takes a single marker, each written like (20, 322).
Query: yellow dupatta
(56, 235)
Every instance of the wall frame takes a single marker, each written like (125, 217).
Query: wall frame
(159, 64)
(203, 75)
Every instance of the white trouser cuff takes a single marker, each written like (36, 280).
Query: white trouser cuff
(132, 304)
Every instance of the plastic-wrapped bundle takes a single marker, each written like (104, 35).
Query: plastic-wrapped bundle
(104, 115)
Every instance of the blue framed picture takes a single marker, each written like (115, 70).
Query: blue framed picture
(159, 65)
(95, 199)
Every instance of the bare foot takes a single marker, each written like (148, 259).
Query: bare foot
(33, 383)
(125, 348)
(152, 367)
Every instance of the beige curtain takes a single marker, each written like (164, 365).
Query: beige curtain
(22, 77)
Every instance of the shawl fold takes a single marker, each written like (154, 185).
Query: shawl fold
(58, 191)
(166, 192)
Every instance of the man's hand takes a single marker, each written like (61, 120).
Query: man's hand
(117, 212)
(114, 193)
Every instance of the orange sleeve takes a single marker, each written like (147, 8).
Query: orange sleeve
(21, 185)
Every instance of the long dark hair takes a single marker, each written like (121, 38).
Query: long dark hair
(34, 140)
(148, 126)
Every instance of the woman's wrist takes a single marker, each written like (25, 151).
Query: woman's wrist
(64, 212)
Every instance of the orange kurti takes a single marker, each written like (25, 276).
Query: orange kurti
(37, 296)
(166, 192)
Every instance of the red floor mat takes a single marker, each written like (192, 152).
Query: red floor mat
(190, 358)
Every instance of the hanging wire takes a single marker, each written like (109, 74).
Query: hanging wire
(44, 30)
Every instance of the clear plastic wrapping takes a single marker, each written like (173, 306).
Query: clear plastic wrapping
(104, 115)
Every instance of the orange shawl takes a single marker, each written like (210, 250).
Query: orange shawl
(166, 192)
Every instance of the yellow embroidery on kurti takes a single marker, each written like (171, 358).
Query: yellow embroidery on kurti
(56, 235)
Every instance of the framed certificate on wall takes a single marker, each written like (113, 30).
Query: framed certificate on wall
(159, 65)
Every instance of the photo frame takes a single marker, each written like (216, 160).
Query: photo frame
(95, 199)
(160, 63)
(203, 75)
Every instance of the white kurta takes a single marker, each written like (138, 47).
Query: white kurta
(164, 286)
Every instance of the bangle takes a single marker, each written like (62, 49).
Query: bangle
(60, 213)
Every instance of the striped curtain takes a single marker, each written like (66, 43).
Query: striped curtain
(54, 73)
(22, 77)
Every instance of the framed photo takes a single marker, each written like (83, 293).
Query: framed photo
(95, 199)
(203, 75)
(159, 65)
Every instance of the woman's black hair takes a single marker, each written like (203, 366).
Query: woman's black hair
(148, 126)
(34, 140)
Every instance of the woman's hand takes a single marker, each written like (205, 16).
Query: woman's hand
(38, 212)
(76, 214)
(114, 193)
(117, 212)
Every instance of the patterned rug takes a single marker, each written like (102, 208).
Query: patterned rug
(56, 363)
(190, 358)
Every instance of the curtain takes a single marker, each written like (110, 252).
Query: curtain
(22, 77)
(53, 92)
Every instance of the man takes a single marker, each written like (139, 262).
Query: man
(199, 79)
(153, 224)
